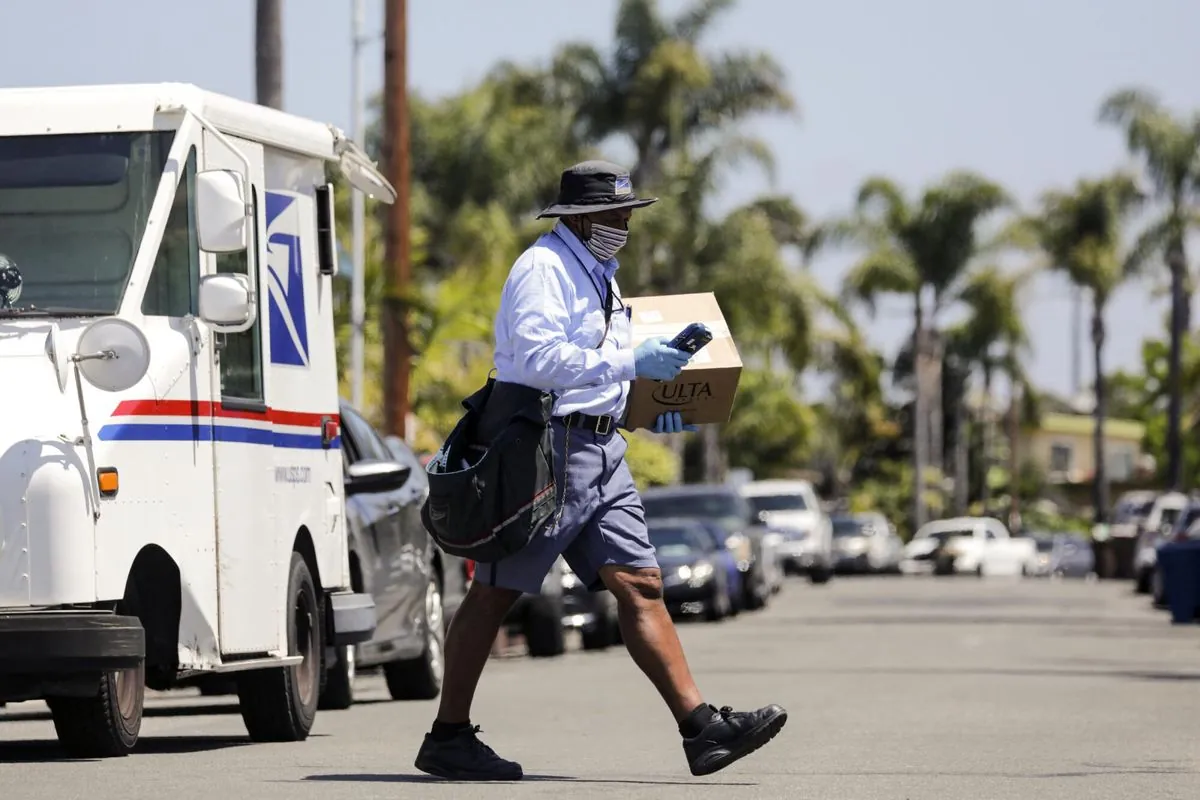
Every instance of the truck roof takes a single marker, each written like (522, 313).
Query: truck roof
(138, 106)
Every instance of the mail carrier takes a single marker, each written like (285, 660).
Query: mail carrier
(171, 483)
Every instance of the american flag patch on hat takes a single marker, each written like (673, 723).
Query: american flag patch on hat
(622, 185)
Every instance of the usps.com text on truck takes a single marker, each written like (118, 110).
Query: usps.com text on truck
(704, 392)
(172, 497)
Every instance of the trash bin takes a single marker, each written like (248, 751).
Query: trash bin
(1179, 563)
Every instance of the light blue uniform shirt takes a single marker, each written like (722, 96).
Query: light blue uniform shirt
(551, 322)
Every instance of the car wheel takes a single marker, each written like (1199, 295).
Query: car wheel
(420, 678)
(820, 575)
(543, 629)
(1144, 577)
(339, 681)
(280, 704)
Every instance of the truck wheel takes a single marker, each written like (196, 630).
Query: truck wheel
(544, 630)
(607, 630)
(819, 575)
(105, 725)
(279, 705)
(421, 678)
(339, 682)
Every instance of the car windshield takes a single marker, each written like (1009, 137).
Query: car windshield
(73, 208)
(1044, 544)
(727, 508)
(777, 502)
(846, 526)
(672, 542)
(1132, 511)
(1185, 519)
(942, 536)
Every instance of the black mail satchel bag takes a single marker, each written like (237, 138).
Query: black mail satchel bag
(491, 486)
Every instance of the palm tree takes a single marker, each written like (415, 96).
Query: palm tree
(993, 338)
(1080, 232)
(921, 250)
(657, 87)
(1170, 148)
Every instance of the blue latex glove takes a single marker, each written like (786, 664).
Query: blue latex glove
(654, 358)
(672, 422)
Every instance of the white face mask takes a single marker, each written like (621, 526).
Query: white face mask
(605, 241)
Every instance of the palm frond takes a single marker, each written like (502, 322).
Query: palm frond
(694, 21)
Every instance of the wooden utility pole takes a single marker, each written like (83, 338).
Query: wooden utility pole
(268, 53)
(396, 345)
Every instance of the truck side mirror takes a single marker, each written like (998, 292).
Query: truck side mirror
(222, 223)
(225, 302)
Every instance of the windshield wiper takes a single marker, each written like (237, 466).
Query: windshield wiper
(50, 311)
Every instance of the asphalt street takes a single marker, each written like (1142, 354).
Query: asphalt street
(895, 687)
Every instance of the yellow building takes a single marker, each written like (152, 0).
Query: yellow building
(1062, 448)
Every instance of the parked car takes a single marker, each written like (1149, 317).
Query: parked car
(1151, 529)
(1061, 555)
(728, 558)
(974, 545)
(592, 613)
(1187, 527)
(758, 561)
(413, 583)
(793, 510)
(693, 580)
(865, 543)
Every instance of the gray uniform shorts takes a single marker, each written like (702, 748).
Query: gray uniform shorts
(603, 521)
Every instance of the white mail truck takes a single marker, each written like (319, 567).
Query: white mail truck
(171, 479)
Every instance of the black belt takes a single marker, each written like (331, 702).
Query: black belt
(601, 425)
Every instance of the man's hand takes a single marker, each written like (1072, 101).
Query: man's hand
(672, 422)
(654, 358)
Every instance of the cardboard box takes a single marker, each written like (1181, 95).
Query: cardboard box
(705, 390)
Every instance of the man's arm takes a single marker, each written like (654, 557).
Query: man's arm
(538, 319)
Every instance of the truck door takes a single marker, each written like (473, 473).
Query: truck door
(251, 597)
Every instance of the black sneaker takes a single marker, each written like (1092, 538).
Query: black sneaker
(730, 736)
(465, 758)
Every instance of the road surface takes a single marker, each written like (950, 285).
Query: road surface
(896, 688)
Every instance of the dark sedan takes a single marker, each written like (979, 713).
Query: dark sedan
(744, 535)
(416, 587)
(694, 581)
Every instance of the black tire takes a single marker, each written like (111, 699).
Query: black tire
(819, 575)
(339, 682)
(717, 607)
(753, 599)
(543, 629)
(279, 705)
(1142, 584)
(607, 630)
(106, 725)
(421, 678)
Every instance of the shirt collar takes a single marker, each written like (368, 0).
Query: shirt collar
(605, 270)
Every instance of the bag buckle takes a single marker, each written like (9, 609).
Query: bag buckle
(603, 425)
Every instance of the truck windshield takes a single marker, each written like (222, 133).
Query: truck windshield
(73, 208)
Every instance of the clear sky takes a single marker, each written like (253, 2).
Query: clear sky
(910, 89)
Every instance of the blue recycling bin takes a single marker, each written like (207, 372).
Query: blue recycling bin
(1180, 566)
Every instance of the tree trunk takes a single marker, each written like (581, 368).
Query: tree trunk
(920, 421)
(989, 436)
(961, 452)
(1014, 456)
(1180, 312)
(714, 456)
(268, 53)
(1100, 477)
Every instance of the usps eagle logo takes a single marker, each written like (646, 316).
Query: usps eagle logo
(622, 185)
(285, 275)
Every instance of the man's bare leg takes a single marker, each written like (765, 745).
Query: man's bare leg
(451, 749)
(468, 646)
(650, 636)
(712, 739)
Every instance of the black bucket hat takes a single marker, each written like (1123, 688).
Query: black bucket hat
(593, 186)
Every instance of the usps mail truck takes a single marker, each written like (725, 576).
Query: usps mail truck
(171, 483)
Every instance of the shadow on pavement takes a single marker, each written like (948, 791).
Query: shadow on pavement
(410, 778)
(1018, 672)
(149, 711)
(48, 751)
